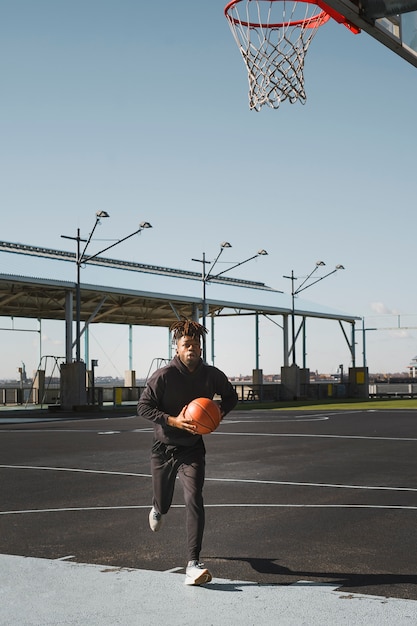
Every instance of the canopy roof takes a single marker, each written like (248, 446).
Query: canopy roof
(40, 282)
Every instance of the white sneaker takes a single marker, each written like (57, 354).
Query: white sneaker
(155, 520)
(197, 574)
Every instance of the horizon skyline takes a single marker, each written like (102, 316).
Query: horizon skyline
(238, 378)
(230, 376)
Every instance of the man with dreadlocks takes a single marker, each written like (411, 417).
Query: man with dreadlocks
(177, 449)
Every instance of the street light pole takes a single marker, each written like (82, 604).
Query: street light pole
(204, 312)
(82, 259)
(364, 331)
(304, 285)
(203, 280)
(259, 253)
(205, 276)
(78, 299)
(208, 276)
(293, 316)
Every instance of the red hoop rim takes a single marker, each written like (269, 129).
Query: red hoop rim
(310, 22)
(321, 18)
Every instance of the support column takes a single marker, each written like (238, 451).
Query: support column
(130, 378)
(38, 387)
(212, 340)
(358, 382)
(257, 341)
(285, 339)
(130, 382)
(73, 389)
(68, 325)
(290, 382)
(130, 349)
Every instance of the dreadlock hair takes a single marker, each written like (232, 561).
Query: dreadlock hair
(186, 327)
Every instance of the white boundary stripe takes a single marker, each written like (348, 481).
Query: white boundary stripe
(222, 480)
(297, 484)
(316, 436)
(216, 506)
(66, 558)
(217, 433)
(173, 570)
(74, 469)
(276, 419)
(77, 431)
(221, 432)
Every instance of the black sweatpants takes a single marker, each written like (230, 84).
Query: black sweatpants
(188, 463)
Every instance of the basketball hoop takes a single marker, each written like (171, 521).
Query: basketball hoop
(273, 37)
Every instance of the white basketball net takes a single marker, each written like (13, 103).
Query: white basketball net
(273, 37)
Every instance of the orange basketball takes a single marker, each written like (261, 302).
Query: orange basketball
(205, 414)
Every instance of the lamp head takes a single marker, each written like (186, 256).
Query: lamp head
(262, 252)
(145, 225)
(320, 263)
(225, 244)
(101, 214)
(340, 267)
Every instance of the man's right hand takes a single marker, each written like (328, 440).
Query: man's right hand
(182, 422)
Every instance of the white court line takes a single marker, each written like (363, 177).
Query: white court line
(276, 419)
(76, 431)
(109, 432)
(217, 506)
(366, 437)
(74, 469)
(301, 484)
(217, 433)
(173, 570)
(66, 558)
(227, 480)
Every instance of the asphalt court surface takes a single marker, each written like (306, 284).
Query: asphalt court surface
(290, 496)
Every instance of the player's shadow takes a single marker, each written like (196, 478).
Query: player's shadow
(284, 576)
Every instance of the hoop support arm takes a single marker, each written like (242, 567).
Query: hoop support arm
(338, 17)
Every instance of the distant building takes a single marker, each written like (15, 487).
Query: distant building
(413, 367)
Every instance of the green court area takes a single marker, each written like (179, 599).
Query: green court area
(341, 405)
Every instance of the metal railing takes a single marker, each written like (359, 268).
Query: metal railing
(246, 391)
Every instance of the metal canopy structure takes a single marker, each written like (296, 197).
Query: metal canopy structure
(45, 298)
(60, 255)
(41, 298)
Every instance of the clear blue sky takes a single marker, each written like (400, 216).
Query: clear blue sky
(141, 109)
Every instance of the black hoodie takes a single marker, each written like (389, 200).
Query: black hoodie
(171, 387)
